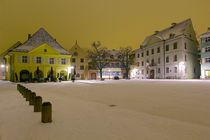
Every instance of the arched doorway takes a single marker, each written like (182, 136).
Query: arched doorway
(152, 74)
(24, 76)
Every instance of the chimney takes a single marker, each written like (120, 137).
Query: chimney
(173, 24)
(156, 32)
(29, 36)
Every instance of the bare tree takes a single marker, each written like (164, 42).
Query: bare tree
(126, 58)
(98, 56)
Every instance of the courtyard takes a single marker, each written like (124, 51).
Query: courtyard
(109, 110)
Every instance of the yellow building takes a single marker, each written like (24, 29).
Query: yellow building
(40, 58)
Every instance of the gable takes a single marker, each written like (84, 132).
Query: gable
(44, 49)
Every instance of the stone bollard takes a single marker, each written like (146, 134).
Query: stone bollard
(46, 112)
(32, 98)
(28, 94)
(38, 104)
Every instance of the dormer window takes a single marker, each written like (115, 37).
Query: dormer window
(45, 50)
(171, 35)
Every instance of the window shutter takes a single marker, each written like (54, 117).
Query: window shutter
(28, 59)
(34, 59)
(19, 59)
(67, 61)
(59, 61)
(47, 60)
(54, 60)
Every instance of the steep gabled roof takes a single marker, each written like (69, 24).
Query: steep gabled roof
(39, 38)
(206, 34)
(175, 29)
(11, 48)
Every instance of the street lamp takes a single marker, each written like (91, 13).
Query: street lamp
(2, 66)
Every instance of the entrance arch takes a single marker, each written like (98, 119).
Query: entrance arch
(24, 76)
(63, 75)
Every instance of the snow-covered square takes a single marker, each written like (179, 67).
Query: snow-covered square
(109, 110)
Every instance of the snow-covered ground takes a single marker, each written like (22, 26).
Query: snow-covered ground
(109, 110)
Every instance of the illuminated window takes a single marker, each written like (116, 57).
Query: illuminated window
(63, 61)
(207, 49)
(52, 61)
(38, 60)
(24, 59)
(207, 60)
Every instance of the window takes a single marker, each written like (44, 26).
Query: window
(153, 62)
(24, 59)
(142, 54)
(82, 67)
(63, 61)
(207, 60)
(175, 58)
(185, 45)
(45, 50)
(152, 51)
(175, 69)
(158, 60)
(73, 60)
(38, 60)
(158, 70)
(142, 63)
(138, 64)
(52, 61)
(158, 50)
(147, 53)
(82, 60)
(167, 69)
(138, 55)
(185, 58)
(167, 59)
(207, 49)
(167, 47)
(175, 45)
(142, 71)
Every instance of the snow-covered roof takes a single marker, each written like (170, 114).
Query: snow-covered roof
(39, 38)
(175, 29)
(206, 34)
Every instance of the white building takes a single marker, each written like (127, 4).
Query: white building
(169, 54)
(205, 55)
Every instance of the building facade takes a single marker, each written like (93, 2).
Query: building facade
(169, 54)
(38, 58)
(205, 55)
(111, 70)
(79, 62)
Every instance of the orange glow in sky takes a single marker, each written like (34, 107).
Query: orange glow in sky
(115, 23)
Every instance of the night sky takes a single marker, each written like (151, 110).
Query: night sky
(116, 23)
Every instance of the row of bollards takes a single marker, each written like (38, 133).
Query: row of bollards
(45, 108)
